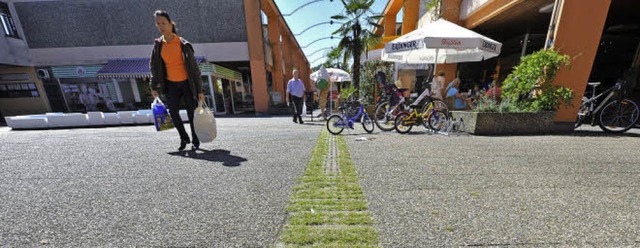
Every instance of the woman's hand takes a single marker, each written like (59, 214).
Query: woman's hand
(154, 93)
(201, 97)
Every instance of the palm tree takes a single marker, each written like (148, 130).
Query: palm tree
(334, 59)
(355, 39)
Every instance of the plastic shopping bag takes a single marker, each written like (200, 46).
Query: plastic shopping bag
(161, 116)
(204, 123)
(304, 110)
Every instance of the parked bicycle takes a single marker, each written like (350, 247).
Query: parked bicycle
(337, 123)
(394, 103)
(433, 119)
(615, 114)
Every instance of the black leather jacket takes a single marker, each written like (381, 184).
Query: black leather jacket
(159, 70)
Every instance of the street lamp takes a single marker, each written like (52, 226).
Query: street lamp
(325, 38)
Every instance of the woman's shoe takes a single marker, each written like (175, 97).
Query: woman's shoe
(183, 144)
(195, 146)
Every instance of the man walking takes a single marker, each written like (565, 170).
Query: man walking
(295, 88)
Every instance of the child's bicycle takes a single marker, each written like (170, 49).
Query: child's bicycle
(337, 123)
(394, 103)
(433, 119)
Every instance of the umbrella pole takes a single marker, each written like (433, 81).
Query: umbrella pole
(435, 64)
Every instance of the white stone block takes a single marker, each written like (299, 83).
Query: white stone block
(95, 118)
(184, 115)
(111, 119)
(68, 120)
(144, 117)
(27, 122)
(126, 117)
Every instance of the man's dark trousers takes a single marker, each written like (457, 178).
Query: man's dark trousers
(297, 107)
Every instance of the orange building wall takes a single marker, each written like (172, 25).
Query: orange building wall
(284, 58)
(450, 12)
(573, 39)
(410, 15)
(274, 38)
(256, 55)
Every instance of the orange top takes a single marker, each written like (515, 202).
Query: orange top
(173, 60)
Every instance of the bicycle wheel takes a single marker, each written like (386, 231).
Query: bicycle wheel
(619, 116)
(435, 104)
(335, 124)
(367, 123)
(437, 119)
(382, 118)
(400, 125)
(582, 112)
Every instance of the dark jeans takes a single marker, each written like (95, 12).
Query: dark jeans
(297, 107)
(177, 92)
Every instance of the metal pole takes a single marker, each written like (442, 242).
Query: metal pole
(524, 46)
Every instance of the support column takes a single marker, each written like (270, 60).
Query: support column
(410, 17)
(390, 24)
(256, 55)
(274, 38)
(287, 54)
(450, 12)
(581, 45)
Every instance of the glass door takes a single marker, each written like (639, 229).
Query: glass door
(219, 98)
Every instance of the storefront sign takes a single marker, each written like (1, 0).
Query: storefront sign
(403, 46)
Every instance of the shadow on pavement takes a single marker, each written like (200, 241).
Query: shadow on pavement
(314, 123)
(217, 155)
(587, 133)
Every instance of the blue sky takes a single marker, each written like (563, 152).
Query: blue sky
(315, 13)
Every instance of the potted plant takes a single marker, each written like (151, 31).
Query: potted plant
(529, 99)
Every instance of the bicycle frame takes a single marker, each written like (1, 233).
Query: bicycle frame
(350, 120)
(415, 118)
(594, 98)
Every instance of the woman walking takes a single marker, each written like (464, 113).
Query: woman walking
(175, 73)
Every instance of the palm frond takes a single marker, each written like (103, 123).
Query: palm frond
(375, 25)
(338, 17)
(375, 18)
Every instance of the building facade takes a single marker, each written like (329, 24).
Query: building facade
(94, 55)
(21, 91)
(601, 36)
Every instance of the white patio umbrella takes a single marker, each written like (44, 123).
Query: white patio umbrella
(440, 42)
(337, 75)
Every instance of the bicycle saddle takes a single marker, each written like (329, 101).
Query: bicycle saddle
(593, 83)
(402, 90)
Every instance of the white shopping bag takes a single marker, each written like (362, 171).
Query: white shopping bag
(204, 123)
(304, 110)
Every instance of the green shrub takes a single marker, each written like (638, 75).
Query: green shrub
(487, 104)
(530, 85)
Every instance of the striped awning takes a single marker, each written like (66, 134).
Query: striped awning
(129, 68)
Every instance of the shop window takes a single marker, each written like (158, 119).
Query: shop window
(8, 25)
(17, 90)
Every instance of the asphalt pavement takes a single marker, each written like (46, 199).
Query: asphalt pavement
(523, 191)
(128, 186)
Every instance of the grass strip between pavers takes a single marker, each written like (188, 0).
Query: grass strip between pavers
(329, 210)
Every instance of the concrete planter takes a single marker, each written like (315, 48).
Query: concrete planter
(480, 123)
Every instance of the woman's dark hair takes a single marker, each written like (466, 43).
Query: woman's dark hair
(166, 15)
